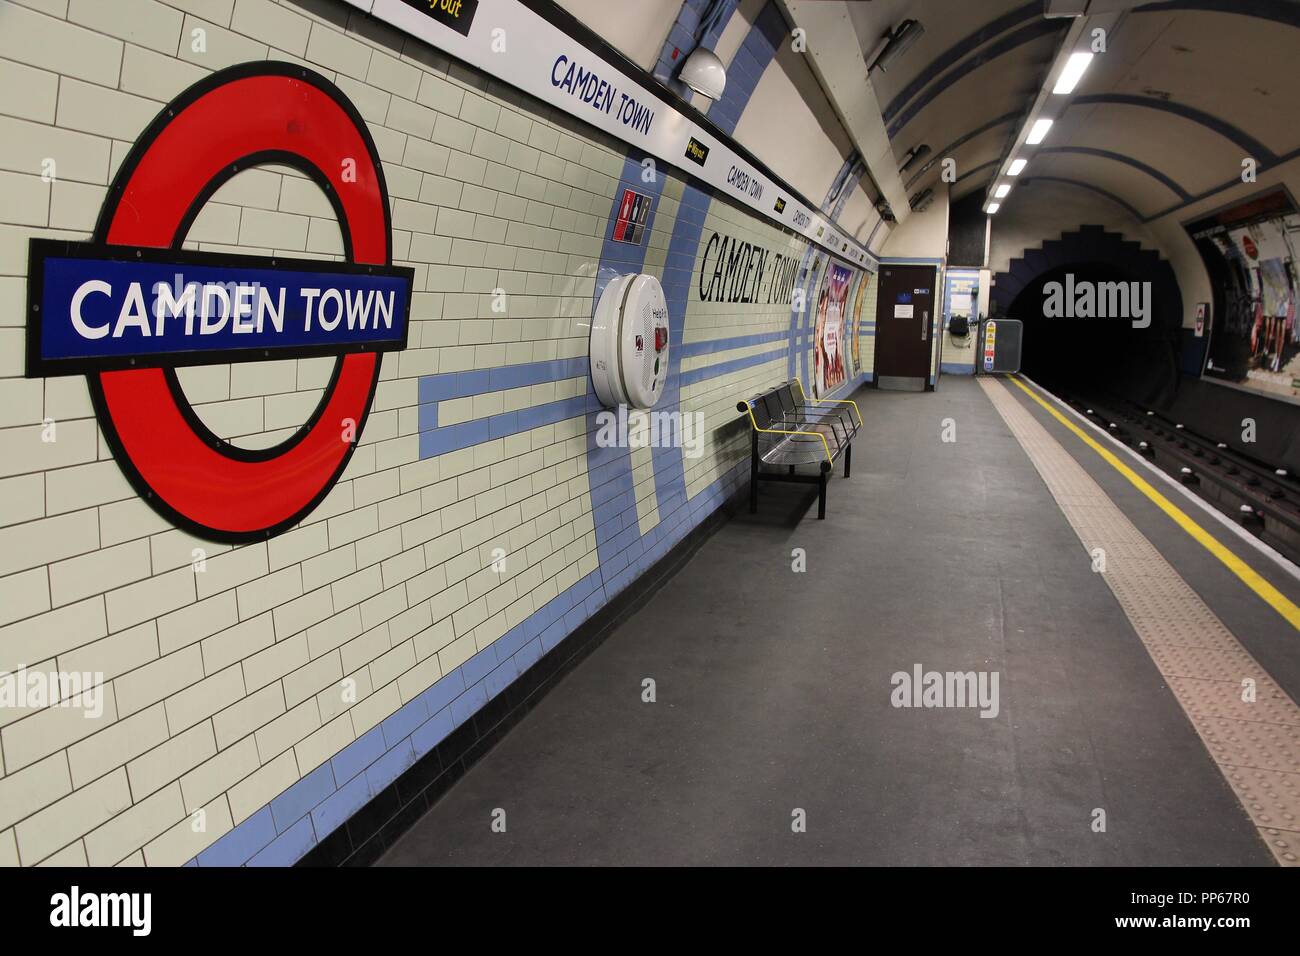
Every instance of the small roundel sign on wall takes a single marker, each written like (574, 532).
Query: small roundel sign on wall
(131, 306)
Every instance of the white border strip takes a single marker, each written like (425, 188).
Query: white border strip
(537, 59)
(1282, 561)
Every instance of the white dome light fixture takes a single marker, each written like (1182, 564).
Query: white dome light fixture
(704, 73)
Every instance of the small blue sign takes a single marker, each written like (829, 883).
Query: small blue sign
(105, 307)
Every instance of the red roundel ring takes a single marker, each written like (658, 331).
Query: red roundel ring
(236, 118)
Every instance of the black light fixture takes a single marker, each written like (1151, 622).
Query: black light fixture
(913, 155)
(896, 44)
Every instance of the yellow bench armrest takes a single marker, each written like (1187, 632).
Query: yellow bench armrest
(830, 401)
(781, 431)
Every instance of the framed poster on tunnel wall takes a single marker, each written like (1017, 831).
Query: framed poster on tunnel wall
(829, 340)
(1249, 250)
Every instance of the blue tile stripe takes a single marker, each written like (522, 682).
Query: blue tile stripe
(692, 376)
(439, 440)
(692, 349)
(609, 470)
(437, 388)
(668, 463)
(746, 68)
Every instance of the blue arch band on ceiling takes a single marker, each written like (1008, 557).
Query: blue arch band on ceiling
(1279, 11)
(1252, 146)
(1012, 41)
(961, 141)
(1127, 161)
(958, 51)
(1214, 190)
(975, 169)
(1091, 188)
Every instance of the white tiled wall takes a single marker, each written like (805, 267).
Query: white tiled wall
(225, 677)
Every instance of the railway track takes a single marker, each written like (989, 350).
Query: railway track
(1263, 498)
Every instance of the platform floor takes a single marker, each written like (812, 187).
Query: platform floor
(774, 687)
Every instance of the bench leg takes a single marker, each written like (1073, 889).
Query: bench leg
(753, 474)
(821, 497)
(848, 458)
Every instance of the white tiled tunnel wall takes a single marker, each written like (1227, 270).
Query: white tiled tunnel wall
(226, 686)
(715, 398)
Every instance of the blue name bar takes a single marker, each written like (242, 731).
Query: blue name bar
(101, 307)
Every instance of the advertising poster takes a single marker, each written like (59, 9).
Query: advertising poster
(1250, 253)
(829, 333)
(855, 326)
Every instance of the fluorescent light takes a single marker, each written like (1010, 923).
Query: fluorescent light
(1002, 191)
(994, 207)
(1039, 132)
(1016, 166)
(1072, 73)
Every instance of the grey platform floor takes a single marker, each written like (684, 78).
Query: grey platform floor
(773, 690)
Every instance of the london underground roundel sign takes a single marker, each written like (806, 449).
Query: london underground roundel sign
(130, 307)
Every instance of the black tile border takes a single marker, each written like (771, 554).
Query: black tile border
(378, 825)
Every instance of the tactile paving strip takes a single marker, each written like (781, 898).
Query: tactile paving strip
(1250, 726)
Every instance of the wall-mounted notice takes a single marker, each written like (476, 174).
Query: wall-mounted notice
(963, 291)
(902, 311)
(633, 211)
(506, 39)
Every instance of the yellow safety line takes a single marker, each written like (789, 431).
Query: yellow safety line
(781, 431)
(829, 401)
(1269, 594)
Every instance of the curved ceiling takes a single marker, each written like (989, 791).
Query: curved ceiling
(1185, 91)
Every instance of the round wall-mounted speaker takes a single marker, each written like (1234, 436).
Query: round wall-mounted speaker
(629, 342)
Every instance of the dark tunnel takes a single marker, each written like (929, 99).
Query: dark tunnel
(1102, 316)
(1103, 354)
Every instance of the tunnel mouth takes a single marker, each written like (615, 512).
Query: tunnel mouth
(1096, 328)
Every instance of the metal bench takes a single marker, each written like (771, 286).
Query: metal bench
(790, 430)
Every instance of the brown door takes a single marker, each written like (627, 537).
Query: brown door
(904, 327)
